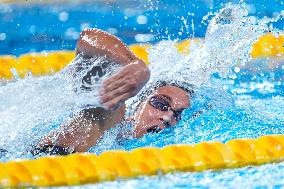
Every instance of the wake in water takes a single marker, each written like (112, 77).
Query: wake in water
(214, 115)
(31, 107)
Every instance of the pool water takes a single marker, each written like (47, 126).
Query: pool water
(265, 176)
(239, 97)
(29, 27)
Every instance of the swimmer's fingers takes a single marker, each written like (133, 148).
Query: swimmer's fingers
(117, 80)
(132, 74)
(126, 83)
(124, 88)
(122, 85)
(111, 84)
(116, 102)
(116, 77)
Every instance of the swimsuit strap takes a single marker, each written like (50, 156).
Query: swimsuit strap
(93, 75)
(52, 150)
(3, 152)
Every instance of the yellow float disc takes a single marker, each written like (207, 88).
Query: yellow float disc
(88, 168)
(268, 45)
(39, 64)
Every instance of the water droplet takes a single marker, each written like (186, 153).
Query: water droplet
(237, 69)
(63, 16)
(2, 36)
(144, 37)
(142, 19)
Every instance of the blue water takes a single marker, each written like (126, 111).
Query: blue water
(33, 27)
(248, 103)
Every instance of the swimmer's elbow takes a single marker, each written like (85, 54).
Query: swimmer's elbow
(91, 32)
(87, 38)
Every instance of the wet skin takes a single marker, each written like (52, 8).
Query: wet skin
(147, 118)
(84, 129)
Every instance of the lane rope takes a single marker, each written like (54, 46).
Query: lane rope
(77, 169)
(39, 64)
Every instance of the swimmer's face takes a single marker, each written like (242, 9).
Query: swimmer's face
(161, 110)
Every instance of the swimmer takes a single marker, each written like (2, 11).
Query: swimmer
(160, 106)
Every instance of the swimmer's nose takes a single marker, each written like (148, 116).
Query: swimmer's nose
(168, 119)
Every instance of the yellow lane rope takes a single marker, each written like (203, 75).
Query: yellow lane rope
(36, 1)
(77, 169)
(35, 63)
(39, 64)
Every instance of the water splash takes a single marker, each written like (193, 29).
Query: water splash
(31, 107)
(228, 41)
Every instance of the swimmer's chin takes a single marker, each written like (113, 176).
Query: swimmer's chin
(150, 129)
(154, 129)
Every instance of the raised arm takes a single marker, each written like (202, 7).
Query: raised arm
(95, 42)
(84, 129)
(129, 80)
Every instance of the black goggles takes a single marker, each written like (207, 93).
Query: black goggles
(163, 105)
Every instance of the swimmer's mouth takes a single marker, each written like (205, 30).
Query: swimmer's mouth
(154, 129)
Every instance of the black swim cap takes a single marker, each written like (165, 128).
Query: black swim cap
(153, 86)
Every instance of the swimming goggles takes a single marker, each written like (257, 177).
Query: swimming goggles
(163, 105)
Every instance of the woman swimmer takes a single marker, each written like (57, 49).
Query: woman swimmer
(159, 109)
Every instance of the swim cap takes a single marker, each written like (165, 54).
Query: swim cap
(149, 88)
(88, 73)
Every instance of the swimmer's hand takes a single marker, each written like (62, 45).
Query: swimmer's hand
(129, 80)
(124, 84)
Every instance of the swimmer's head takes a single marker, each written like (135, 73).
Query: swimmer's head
(161, 106)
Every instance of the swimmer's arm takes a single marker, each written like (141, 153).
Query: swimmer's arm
(115, 91)
(128, 81)
(95, 43)
(83, 130)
